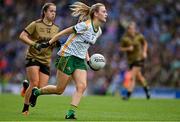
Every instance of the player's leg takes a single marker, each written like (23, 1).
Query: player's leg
(143, 81)
(80, 78)
(43, 81)
(43, 76)
(33, 76)
(25, 85)
(131, 84)
(62, 77)
(62, 81)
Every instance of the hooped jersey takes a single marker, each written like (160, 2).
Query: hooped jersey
(78, 43)
(40, 32)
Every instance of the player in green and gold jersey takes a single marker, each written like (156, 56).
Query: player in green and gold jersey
(135, 46)
(74, 53)
(38, 60)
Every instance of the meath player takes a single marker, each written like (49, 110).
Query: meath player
(135, 46)
(74, 53)
(38, 60)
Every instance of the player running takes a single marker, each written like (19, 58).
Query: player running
(38, 60)
(74, 53)
(135, 46)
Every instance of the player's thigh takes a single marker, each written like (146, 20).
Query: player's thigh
(33, 75)
(80, 78)
(135, 70)
(43, 79)
(62, 80)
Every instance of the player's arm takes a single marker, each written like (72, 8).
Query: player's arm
(87, 56)
(125, 49)
(24, 38)
(78, 28)
(69, 30)
(29, 30)
(66, 31)
(88, 61)
(124, 46)
(145, 48)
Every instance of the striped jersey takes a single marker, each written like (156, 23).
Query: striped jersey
(78, 43)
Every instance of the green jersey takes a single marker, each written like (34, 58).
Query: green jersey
(40, 32)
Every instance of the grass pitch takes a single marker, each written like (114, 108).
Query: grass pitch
(91, 108)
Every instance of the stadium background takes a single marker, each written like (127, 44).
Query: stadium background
(158, 20)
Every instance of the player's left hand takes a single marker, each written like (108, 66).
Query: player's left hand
(44, 45)
(90, 66)
(39, 46)
(144, 55)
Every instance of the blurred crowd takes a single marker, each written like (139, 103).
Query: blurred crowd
(157, 20)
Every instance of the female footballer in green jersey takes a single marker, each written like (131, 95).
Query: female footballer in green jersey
(38, 61)
(135, 46)
(74, 53)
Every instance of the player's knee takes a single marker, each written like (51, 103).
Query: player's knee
(81, 87)
(59, 91)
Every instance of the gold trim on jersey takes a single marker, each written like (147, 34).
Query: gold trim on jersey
(67, 44)
(88, 22)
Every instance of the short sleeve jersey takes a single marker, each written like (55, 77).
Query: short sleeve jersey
(137, 43)
(78, 43)
(40, 32)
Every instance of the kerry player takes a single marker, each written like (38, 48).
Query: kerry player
(38, 60)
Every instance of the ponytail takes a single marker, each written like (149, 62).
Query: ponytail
(83, 11)
(80, 10)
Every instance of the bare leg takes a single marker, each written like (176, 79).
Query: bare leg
(79, 77)
(43, 80)
(144, 83)
(62, 81)
(141, 78)
(33, 76)
(132, 83)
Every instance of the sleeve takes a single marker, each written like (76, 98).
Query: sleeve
(142, 39)
(80, 27)
(30, 28)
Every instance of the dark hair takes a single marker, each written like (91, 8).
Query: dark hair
(45, 8)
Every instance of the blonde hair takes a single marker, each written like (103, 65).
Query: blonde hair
(83, 11)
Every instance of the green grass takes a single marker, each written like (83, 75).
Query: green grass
(99, 108)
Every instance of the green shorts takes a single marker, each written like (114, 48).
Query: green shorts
(69, 64)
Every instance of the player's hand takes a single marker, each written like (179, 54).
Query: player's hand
(144, 55)
(44, 45)
(90, 66)
(131, 48)
(38, 46)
